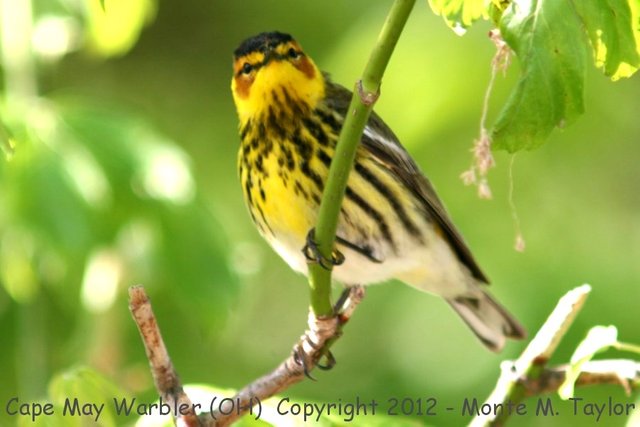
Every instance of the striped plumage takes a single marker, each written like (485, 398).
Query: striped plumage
(391, 224)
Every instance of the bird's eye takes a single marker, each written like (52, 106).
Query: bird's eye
(247, 68)
(293, 54)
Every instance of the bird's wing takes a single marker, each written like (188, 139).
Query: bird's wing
(384, 146)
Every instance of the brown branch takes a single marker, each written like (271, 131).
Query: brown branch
(313, 346)
(625, 373)
(165, 376)
(322, 333)
(533, 359)
(529, 375)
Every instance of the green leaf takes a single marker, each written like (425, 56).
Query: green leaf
(610, 28)
(598, 339)
(56, 419)
(114, 31)
(550, 39)
(546, 38)
(88, 387)
(459, 14)
(625, 346)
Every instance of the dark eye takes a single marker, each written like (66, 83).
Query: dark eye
(247, 68)
(293, 54)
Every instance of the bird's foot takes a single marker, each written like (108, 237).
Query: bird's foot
(312, 253)
(313, 347)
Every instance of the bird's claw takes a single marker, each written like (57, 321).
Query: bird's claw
(313, 347)
(307, 360)
(304, 360)
(330, 362)
(312, 253)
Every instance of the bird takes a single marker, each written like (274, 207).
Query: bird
(391, 224)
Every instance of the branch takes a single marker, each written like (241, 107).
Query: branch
(528, 375)
(290, 371)
(365, 95)
(625, 373)
(531, 363)
(165, 376)
(324, 332)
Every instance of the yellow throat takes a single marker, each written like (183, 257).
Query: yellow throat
(268, 70)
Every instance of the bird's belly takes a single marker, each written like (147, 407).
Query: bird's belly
(356, 268)
(432, 267)
(285, 207)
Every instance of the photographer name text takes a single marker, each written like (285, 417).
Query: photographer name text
(348, 410)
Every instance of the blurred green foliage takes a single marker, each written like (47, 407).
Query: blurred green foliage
(123, 172)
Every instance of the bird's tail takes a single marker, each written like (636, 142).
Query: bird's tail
(491, 322)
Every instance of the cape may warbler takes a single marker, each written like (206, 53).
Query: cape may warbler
(391, 225)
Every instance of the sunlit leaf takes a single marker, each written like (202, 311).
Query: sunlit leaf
(460, 14)
(598, 339)
(115, 29)
(610, 28)
(545, 35)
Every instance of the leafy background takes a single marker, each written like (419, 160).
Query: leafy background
(123, 172)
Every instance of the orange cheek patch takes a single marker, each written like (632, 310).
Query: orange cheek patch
(243, 85)
(306, 67)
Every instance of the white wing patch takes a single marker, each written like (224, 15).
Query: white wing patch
(391, 145)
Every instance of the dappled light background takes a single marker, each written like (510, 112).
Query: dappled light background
(121, 169)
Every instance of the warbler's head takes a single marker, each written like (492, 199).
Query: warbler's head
(271, 70)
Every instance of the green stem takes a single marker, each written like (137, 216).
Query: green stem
(359, 110)
(632, 348)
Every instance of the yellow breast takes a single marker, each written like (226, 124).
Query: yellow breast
(283, 201)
